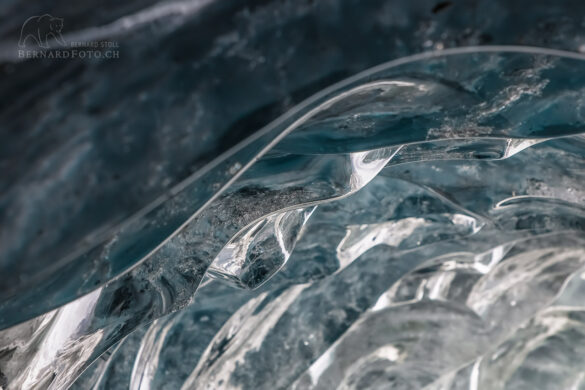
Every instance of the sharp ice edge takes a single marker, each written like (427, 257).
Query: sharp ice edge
(450, 107)
(166, 297)
(49, 354)
(261, 249)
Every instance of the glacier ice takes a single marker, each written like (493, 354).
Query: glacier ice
(418, 225)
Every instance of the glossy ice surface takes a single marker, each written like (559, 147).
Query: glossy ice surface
(419, 225)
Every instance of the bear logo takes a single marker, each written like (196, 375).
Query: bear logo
(41, 29)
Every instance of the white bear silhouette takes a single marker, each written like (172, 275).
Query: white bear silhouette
(41, 29)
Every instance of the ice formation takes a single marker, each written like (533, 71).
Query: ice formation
(418, 225)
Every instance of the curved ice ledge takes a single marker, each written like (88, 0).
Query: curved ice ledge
(509, 111)
(488, 104)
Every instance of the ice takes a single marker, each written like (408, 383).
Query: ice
(419, 225)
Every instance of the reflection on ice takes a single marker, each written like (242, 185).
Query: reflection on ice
(419, 225)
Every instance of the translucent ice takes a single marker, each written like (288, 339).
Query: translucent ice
(419, 225)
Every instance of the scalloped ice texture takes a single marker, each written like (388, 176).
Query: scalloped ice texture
(424, 215)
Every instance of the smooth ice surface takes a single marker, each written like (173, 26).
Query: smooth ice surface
(419, 225)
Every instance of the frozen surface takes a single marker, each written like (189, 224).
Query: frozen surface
(105, 140)
(419, 225)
